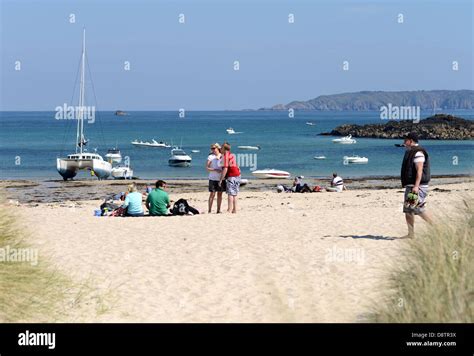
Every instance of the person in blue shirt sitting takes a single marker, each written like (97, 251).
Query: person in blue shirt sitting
(133, 202)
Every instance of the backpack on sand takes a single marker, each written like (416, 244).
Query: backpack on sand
(181, 207)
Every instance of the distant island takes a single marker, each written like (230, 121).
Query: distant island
(437, 127)
(374, 100)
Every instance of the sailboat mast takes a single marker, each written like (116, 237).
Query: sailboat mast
(80, 118)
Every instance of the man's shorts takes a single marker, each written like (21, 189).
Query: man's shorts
(215, 187)
(420, 205)
(232, 185)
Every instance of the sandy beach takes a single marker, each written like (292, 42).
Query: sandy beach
(319, 257)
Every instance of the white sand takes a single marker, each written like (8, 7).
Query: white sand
(281, 258)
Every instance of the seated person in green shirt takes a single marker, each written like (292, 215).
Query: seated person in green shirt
(158, 201)
(133, 202)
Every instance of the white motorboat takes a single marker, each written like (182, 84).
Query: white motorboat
(153, 143)
(255, 148)
(113, 155)
(345, 140)
(195, 151)
(122, 172)
(179, 158)
(355, 159)
(319, 157)
(271, 173)
(231, 131)
(81, 159)
(310, 123)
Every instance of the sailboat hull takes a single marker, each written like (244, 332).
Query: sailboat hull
(68, 168)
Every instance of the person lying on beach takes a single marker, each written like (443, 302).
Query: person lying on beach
(281, 188)
(337, 184)
(133, 202)
(158, 201)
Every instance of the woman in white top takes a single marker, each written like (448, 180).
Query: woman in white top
(214, 168)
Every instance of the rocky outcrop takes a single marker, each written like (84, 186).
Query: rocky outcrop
(437, 127)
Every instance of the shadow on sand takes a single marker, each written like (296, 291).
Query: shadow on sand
(371, 237)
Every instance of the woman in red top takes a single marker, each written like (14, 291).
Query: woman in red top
(231, 174)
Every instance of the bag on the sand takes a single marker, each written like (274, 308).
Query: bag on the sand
(181, 207)
(107, 207)
(119, 212)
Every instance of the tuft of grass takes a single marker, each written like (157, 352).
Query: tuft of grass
(27, 292)
(37, 292)
(433, 282)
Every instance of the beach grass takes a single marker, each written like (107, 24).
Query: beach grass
(37, 292)
(433, 282)
(28, 291)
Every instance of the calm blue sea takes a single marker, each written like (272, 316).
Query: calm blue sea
(31, 141)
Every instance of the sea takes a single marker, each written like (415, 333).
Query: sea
(31, 141)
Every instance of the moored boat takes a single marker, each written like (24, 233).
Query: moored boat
(345, 140)
(270, 173)
(81, 159)
(355, 159)
(179, 158)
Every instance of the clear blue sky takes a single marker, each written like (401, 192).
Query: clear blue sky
(190, 65)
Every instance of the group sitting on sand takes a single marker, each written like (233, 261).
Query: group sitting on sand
(157, 202)
(224, 175)
(336, 185)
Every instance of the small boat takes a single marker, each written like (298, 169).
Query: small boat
(195, 151)
(122, 172)
(179, 158)
(255, 148)
(153, 143)
(310, 123)
(243, 182)
(345, 140)
(113, 155)
(271, 173)
(231, 131)
(319, 157)
(355, 159)
(120, 113)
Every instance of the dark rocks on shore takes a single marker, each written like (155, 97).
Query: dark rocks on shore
(437, 127)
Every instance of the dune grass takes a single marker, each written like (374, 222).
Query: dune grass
(32, 292)
(434, 280)
(28, 292)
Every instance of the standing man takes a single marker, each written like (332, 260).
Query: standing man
(231, 175)
(415, 175)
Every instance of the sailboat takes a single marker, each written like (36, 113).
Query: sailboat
(81, 159)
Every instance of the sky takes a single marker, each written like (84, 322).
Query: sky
(191, 65)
